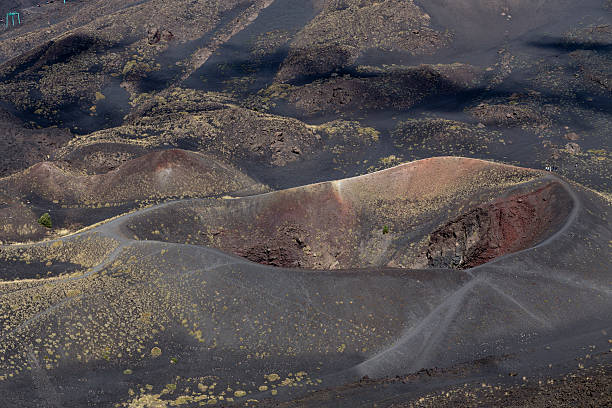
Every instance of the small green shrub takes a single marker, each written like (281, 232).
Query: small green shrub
(45, 220)
(385, 229)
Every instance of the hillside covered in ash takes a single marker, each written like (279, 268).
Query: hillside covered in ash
(305, 203)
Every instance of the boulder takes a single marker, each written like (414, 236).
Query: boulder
(573, 148)
(572, 136)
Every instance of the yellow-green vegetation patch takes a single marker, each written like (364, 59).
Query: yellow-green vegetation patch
(272, 377)
(269, 42)
(201, 391)
(344, 136)
(138, 69)
(118, 326)
(385, 163)
(443, 136)
(86, 250)
(349, 131)
(267, 98)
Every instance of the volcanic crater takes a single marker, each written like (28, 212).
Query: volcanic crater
(389, 218)
(209, 243)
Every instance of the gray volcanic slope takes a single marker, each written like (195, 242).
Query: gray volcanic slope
(306, 203)
(164, 323)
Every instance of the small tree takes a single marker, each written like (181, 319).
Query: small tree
(385, 229)
(45, 220)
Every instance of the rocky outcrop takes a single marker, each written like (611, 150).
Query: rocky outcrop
(573, 148)
(284, 248)
(505, 115)
(506, 225)
(156, 35)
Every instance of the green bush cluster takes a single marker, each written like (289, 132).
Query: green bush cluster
(45, 220)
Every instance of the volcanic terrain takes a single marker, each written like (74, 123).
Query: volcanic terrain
(306, 203)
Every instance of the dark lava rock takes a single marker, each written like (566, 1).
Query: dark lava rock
(156, 35)
(572, 136)
(506, 225)
(573, 148)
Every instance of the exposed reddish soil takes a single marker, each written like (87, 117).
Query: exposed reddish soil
(158, 174)
(506, 225)
(380, 219)
(294, 228)
(76, 199)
